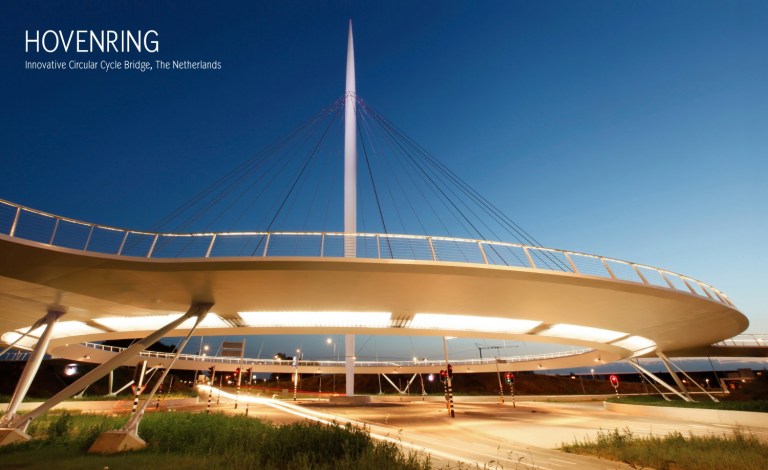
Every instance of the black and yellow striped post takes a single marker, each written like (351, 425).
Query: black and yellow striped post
(237, 390)
(449, 386)
(210, 389)
(250, 382)
(138, 380)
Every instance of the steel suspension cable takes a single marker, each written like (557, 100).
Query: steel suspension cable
(240, 170)
(296, 181)
(489, 208)
(375, 192)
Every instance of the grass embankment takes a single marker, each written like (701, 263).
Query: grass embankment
(740, 451)
(211, 441)
(123, 396)
(705, 403)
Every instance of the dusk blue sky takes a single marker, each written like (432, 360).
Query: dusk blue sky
(636, 130)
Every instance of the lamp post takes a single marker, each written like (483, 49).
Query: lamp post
(200, 353)
(296, 360)
(331, 341)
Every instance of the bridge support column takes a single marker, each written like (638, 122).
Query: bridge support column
(668, 365)
(8, 434)
(20, 423)
(349, 355)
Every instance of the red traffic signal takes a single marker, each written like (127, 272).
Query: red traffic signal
(237, 372)
(443, 375)
(614, 381)
(509, 377)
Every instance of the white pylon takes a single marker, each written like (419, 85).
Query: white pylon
(350, 192)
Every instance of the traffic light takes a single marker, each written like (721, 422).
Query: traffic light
(237, 372)
(511, 378)
(508, 377)
(248, 372)
(614, 381)
(450, 371)
(443, 375)
(211, 370)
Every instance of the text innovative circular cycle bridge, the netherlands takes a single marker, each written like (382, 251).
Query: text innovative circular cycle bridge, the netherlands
(116, 283)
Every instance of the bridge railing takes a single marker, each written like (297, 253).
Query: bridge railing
(745, 341)
(323, 363)
(30, 224)
(15, 356)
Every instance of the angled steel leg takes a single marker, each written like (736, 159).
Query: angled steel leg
(133, 425)
(668, 365)
(658, 380)
(693, 381)
(22, 422)
(30, 369)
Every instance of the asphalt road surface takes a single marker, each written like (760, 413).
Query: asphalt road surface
(484, 433)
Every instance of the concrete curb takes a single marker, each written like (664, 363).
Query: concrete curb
(747, 419)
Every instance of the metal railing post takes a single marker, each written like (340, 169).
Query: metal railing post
(15, 221)
(690, 287)
(608, 268)
(528, 255)
(645, 281)
(55, 229)
(482, 252)
(266, 245)
(122, 244)
(432, 249)
(152, 248)
(570, 261)
(666, 279)
(88, 240)
(210, 246)
(701, 286)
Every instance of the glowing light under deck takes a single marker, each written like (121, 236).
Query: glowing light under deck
(439, 321)
(155, 322)
(586, 333)
(317, 319)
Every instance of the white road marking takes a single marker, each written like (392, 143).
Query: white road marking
(563, 461)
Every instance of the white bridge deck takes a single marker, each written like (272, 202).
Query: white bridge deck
(121, 283)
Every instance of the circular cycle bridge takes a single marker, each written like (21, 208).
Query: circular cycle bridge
(92, 282)
(116, 283)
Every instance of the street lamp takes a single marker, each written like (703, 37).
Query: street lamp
(296, 360)
(330, 341)
(200, 353)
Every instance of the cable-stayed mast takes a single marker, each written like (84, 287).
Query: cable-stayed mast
(350, 152)
(350, 191)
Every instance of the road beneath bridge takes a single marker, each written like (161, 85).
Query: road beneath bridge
(485, 433)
